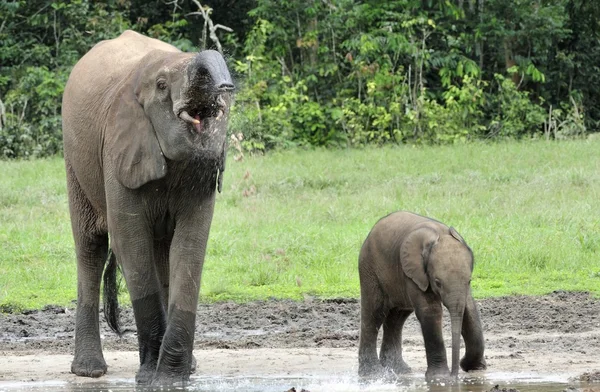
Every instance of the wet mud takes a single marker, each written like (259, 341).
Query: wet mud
(559, 321)
(497, 388)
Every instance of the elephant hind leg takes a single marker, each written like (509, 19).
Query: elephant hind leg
(91, 253)
(391, 346)
(372, 314)
(91, 247)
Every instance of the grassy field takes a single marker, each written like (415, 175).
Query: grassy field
(291, 223)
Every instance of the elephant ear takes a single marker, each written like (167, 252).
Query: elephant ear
(457, 236)
(414, 255)
(132, 141)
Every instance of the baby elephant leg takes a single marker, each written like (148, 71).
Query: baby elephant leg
(391, 346)
(371, 317)
(473, 335)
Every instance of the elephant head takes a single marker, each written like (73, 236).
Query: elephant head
(444, 264)
(173, 106)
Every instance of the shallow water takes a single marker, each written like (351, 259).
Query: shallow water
(524, 382)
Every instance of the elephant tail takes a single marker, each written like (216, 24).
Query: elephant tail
(110, 293)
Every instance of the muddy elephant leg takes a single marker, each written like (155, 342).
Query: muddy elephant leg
(132, 242)
(91, 254)
(161, 257)
(91, 247)
(372, 315)
(186, 260)
(428, 310)
(472, 333)
(391, 346)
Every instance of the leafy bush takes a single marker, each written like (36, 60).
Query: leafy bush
(515, 114)
(36, 96)
(35, 63)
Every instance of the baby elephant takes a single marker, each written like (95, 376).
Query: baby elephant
(412, 263)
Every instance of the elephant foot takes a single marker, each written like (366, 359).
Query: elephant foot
(398, 366)
(145, 373)
(438, 375)
(162, 379)
(376, 372)
(89, 366)
(369, 368)
(468, 364)
(149, 375)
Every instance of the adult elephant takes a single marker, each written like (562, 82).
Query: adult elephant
(144, 128)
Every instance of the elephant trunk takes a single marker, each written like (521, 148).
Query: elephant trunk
(206, 99)
(457, 320)
(210, 66)
(208, 79)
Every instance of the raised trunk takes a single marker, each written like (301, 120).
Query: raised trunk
(208, 72)
(206, 99)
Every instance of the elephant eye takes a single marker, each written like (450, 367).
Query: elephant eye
(438, 283)
(161, 84)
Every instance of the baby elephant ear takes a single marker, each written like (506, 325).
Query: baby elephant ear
(414, 255)
(132, 142)
(455, 234)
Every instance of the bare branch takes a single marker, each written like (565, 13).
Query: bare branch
(175, 6)
(209, 26)
(220, 26)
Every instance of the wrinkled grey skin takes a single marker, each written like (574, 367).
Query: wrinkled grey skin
(412, 263)
(140, 170)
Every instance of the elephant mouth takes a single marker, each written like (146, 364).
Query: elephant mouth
(199, 116)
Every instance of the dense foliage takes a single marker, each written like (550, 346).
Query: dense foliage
(331, 72)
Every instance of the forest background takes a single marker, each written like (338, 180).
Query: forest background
(330, 73)
(332, 96)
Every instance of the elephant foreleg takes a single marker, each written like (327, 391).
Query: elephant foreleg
(186, 259)
(161, 256)
(132, 242)
(473, 335)
(428, 310)
(391, 346)
(151, 325)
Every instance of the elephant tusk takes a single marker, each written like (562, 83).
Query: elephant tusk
(185, 116)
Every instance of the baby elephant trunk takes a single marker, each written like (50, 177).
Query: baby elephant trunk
(457, 320)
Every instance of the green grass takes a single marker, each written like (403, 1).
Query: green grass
(291, 223)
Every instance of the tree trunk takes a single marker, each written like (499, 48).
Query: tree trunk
(510, 61)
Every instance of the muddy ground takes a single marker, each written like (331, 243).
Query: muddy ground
(558, 333)
(557, 322)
